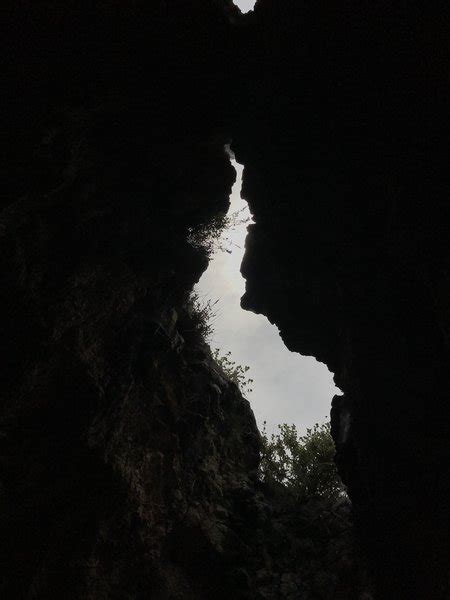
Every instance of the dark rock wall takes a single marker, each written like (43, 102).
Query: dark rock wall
(344, 141)
(128, 462)
(116, 452)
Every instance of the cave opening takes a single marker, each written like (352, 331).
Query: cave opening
(245, 5)
(130, 465)
(284, 386)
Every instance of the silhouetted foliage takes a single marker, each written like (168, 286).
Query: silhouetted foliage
(202, 315)
(303, 464)
(210, 236)
(234, 372)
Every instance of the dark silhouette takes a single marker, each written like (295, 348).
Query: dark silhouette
(128, 469)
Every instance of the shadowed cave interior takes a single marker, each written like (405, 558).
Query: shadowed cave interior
(129, 464)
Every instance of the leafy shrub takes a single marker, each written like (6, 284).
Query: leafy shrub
(304, 465)
(202, 315)
(234, 372)
(210, 236)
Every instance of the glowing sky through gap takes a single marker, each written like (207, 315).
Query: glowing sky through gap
(287, 387)
(245, 5)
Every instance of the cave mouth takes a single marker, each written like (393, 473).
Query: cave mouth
(114, 428)
(284, 387)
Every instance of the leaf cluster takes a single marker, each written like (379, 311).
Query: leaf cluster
(234, 372)
(202, 313)
(209, 236)
(304, 465)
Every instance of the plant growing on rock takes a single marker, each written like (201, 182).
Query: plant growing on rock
(210, 236)
(304, 465)
(202, 314)
(234, 372)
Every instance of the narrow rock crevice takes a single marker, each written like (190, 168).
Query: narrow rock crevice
(128, 461)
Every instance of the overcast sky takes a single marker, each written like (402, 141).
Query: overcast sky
(287, 387)
(245, 5)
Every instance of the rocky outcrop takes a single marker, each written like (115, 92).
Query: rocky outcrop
(106, 403)
(128, 462)
(115, 449)
(343, 137)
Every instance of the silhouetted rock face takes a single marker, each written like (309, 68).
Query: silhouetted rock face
(128, 461)
(116, 452)
(344, 140)
(120, 442)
